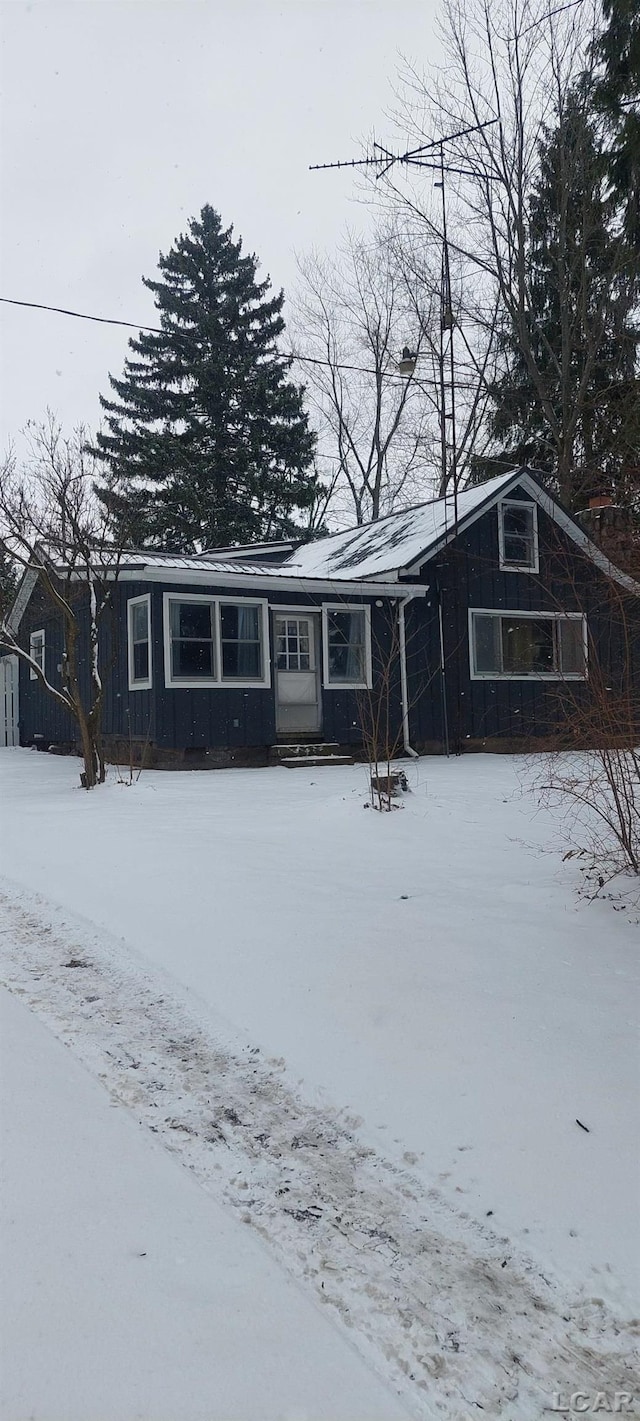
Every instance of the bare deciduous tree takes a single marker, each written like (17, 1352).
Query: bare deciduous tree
(457, 389)
(375, 426)
(55, 530)
(507, 71)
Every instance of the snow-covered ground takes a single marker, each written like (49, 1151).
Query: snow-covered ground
(370, 1039)
(126, 1291)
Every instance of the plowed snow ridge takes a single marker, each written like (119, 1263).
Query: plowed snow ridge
(437, 1303)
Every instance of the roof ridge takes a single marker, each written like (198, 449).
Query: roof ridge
(398, 512)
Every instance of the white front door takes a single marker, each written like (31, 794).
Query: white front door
(8, 700)
(297, 651)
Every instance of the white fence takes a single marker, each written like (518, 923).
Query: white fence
(9, 700)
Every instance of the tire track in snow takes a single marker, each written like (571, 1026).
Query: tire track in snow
(439, 1305)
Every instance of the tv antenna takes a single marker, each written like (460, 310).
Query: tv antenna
(431, 155)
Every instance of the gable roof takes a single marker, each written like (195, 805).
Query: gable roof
(394, 543)
(374, 557)
(400, 544)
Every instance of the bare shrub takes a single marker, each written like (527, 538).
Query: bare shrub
(54, 530)
(592, 773)
(383, 726)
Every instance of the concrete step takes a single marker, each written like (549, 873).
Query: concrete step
(304, 745)
(304, 748)
(302, 762)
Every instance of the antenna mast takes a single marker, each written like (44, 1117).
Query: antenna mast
(432, 156)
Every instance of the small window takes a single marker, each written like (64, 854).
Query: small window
(347, 647)
(139, 633)
(241, 640)
(36, 652)
(517, 646)
(191, 640)
(294, 644)
(518, 524)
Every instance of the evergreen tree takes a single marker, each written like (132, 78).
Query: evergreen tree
(205, 429)
(618, 97)
(583, 431)
(8, 582)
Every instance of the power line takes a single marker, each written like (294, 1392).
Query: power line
(157, 330)
(80, 315)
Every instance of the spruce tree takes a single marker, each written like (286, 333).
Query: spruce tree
(583, 329)
(8, 582)
(617, 94)
(205, 431)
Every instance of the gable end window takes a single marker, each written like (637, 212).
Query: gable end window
(36, 652)
(211, 641)
(519, 646)
(139, 642)
(347, 647)
(518, 536)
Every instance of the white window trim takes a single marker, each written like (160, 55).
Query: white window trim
(265, 681)
(516, 566)
(147, 683)
(204, 683)
(533, 675)
(346, 685)
(33, 675)
(314, 615)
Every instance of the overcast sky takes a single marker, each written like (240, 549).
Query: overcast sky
(120, 120)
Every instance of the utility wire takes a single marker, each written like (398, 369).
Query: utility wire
(80, 315)
(157, 330)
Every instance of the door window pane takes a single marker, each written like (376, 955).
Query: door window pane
(346, 651)
(294, 642)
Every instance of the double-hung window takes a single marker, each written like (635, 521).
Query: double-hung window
(212, 641)
(139, 642)
(347, 647)
(518, 536)
(191, 640)
(36, 652)
(241, 639)
(519, 645)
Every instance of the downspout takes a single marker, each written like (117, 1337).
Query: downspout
(404, 694)
(443, 676)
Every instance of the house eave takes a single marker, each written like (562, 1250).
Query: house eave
(553, 509)
(209, 577)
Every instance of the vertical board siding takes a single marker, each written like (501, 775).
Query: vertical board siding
(39, 713)
(468, 575)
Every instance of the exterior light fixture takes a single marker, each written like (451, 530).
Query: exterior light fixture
(407, 361)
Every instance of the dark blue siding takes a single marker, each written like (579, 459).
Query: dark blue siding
(171, 718)
(467, 575)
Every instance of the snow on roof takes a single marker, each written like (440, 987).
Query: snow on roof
(368, 551)
(393, 542)
(194, 562)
